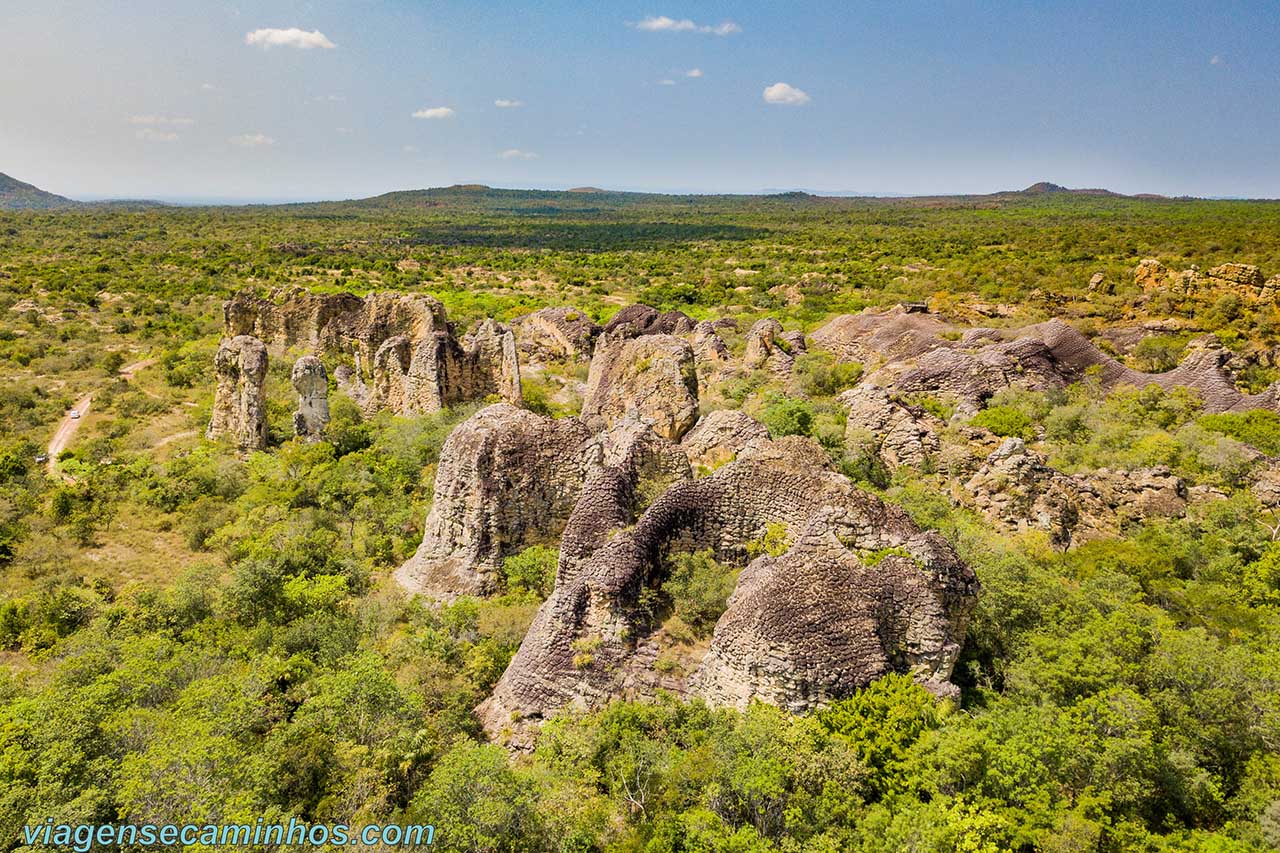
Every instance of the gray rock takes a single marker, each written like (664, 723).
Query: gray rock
(311, 381)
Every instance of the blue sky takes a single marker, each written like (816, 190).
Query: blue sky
(303, 100)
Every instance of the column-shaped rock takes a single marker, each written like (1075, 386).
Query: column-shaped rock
(311, 381)
(239, 405)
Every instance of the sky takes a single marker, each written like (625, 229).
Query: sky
(205, 99)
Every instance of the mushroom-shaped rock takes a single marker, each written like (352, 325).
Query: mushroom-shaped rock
(311, 381)
(652, 375)
(239, 405)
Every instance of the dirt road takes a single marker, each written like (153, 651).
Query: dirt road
(68, 426)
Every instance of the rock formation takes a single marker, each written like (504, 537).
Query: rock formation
(239, 405)
(636, 320)
(720, 436)
(654, 375)
(553, 334)
(770, 347)
(895, 431)
(1017, 489)
(921, 354)
(844, 619)
(508, 478)
(407, 357)
(311, 381)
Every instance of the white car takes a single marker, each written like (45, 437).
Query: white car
(74, 414)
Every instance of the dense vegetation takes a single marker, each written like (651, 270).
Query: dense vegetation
(192, 635)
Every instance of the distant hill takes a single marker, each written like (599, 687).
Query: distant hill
(15, 195)
(1045, 188)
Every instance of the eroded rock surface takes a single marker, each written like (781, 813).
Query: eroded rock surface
(577, 649)
(508, 478)
(653, 375)
(311, 381)
(553, 334)
(1020, 491)
(636, 320)
(770, 347)
(239, 404)
(407, 357)
(720, 436)
(896, 431)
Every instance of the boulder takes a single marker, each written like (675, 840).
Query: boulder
(636, 320)
(895, 431)
(720, 436)
(555, 334)
(654, 375)
(239, 404)
(770, 347)
(311, 381)
(1150, 274)
(1246, 277)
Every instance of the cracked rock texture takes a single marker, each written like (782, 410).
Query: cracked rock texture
(897, 432)
(653, 376)
(508, 478)
(554, 334)
(578, 648)
(239, 405)
(311, 381)
(720, 436)
(770, 347)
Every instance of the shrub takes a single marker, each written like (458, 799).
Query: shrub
(1260, 428)
(788, 416)
(699, 589)
(1004, 421)
(532, 570)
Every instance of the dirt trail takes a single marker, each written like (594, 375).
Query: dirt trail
(67, 427)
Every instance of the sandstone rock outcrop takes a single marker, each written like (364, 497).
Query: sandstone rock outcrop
(508, 478)
(720, 436)
(1238, 275)
(636, 320)
(770, 347)
(897, 432)
(311, 381)
(1150, 274)
(1020, 491)
(553, 334)
(654, 375)
(972, 365)
(407, 357)
(239, 404)
(904, 613)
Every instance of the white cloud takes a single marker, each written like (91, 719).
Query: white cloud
(333, 99)
(1217, 60)
(345, 131)
(252, 140)
(667, 82)
(410, 149)
(208, 87)
(664, 24)
(693, 72)
(150, 134)
(434, 112)
(507, 103)
(517, 154)
(162, 121)
(292, 37)
(785, 94)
